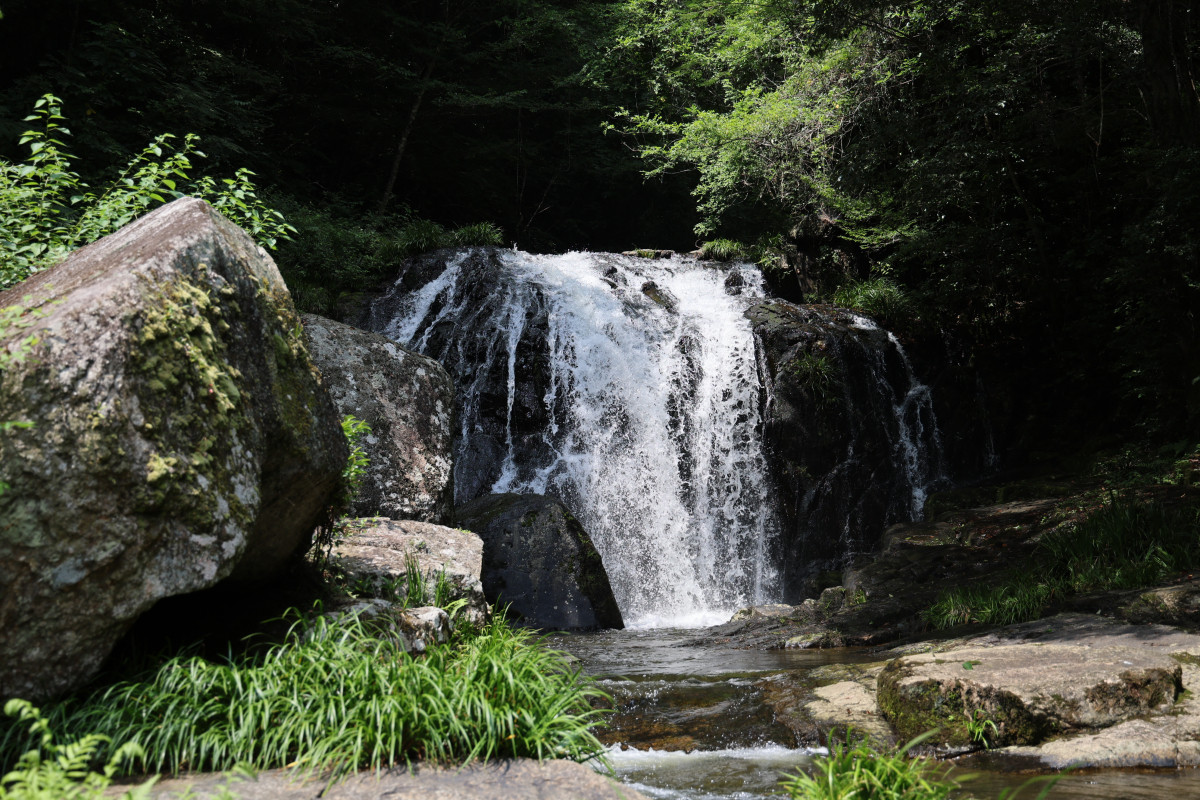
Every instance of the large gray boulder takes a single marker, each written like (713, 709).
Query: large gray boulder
(180, 436)
(375, 554)
(540, 561)
(408, 400)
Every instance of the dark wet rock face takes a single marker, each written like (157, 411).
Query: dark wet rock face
(408, 400)
(850, 434)
(538, 559)
(180, 436)
(482, 379)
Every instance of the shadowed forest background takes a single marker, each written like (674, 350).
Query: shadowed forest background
(1011, 185)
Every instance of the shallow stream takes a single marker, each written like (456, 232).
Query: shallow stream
(691, 724)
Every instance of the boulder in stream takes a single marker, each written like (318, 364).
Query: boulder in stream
(179, 436)
(376, 555)
(539, 560)
(408, 400)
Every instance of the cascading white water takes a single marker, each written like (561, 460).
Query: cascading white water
(918, 443)
(642, 380)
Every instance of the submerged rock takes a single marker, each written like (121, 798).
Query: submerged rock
(376, 554)
(538, 559)
(408, 400)
(180, 435)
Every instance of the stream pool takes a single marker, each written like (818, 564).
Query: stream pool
(691, 724)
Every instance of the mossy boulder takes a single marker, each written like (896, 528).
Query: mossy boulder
(1018, 694)
(408, 400)
(540, 561)
(180, 436)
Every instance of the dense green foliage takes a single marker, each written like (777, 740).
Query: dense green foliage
(1124, 545)
(343, 695)
(1025, 171)
(1018, 176)
(46, 210)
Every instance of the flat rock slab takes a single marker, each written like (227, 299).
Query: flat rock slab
(1064, 674)
(374, 556)
(1168, 740)
(827, 703)
(520, 779)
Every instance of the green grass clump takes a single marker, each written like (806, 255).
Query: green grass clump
(336, 697)
(1019, 599)
(1124, 545)
(722, 250)
(878, 298)
(859, 772)
(479, 233)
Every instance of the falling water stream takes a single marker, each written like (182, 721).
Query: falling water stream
(629, 389)
(633, 391)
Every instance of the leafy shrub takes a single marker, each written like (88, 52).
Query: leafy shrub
(336, 696)
(46, 210)
(878, 298)
(52, 771)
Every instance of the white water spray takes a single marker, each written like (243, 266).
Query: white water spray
(643, 378)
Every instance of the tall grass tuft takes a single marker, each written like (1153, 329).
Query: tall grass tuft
(723, 250)
(860, 772)
(1124, 545)
(878, 298)
(333, 698)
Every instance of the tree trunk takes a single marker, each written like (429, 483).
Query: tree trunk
(1168, 80)
(404, 134)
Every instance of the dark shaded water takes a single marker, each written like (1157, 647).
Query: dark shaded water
(691, 725)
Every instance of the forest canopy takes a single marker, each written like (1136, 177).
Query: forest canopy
(1019, 176)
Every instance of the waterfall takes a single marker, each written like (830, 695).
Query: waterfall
(640, 391)
(629, 389)
(917, 441)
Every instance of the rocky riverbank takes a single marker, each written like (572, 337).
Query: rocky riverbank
(1102, 679)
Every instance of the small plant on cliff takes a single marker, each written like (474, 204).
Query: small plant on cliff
(53, 771)
(723, 250)
(817, 376)
(878, 298)
(334, 529)
(46, 210)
